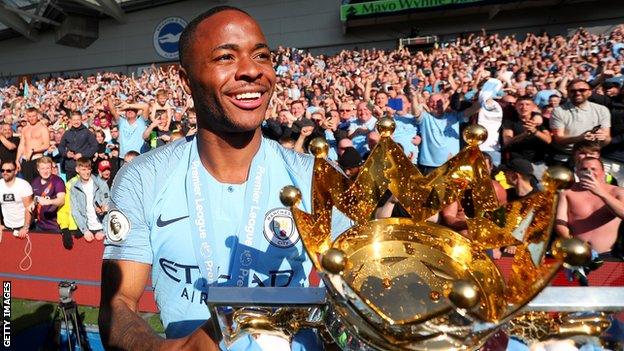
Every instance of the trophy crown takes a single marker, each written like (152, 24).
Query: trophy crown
(414, 279)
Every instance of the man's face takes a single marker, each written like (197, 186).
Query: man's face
(579, 93)
(192, 118)
(8, 172)
(105, 174)
(346, 112)
(525, 107)
(363, 113)
(75, 121)
(436, 104)
(7, 132)
(131, 113)
(591, 166)
(32, 117)
(104, 122)
(554, 101)
(44, 169)
(84, 172)
(381, 100)
(297, 109)
(115, 133)
(229, 71)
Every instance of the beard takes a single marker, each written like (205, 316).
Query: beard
(210, 112)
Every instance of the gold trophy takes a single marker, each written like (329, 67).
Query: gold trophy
(408, 283)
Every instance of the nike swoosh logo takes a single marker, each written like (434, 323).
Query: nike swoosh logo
(161, 223)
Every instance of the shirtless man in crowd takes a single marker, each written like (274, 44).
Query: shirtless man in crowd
(34, 141)
(591, 210)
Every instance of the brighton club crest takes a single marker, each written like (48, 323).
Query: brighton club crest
(279, 228)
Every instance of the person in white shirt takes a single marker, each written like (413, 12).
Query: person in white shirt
(16, 196)
(89, 198)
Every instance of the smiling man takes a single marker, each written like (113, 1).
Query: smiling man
(205, 211)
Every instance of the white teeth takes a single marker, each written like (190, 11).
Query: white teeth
(247, 96)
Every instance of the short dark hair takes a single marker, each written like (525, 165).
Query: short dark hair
(9, 162)
(587, 146)
(188, 35)
(576, 81)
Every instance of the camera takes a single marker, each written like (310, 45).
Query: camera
(66, 291)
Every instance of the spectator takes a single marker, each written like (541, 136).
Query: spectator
(351, 162)
(519, 174)
(525, 136)
(406, 131)
(439, 131)
(15, 200)
(8, 143)
(65, 220)
(49, 192)
(157, 133)
(578, 119)
(360, 127)
(131, 126)
(104, 171)
(77, 142)
(591, 210)
(34, 141)
(89, 201)
(130, 155)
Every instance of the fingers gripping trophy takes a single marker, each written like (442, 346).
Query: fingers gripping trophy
(407, 283)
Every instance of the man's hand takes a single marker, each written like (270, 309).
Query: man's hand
(416, 140)
(306, 131)
(589, 182)
(77, 156)
(600, 135)
(23, 233)
(88, 236)
(99, 235)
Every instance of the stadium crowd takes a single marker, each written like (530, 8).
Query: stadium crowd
(545, 100)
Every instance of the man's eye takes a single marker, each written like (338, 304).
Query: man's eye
(226, 57)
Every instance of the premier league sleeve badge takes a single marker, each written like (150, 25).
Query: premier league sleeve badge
(117, 226)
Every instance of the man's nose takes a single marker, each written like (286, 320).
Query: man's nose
(248, 69)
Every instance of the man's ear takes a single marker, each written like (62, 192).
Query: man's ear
(186, 85)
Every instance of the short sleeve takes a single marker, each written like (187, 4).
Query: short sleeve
(28, 190)
(59, 186)
(604, 117)
(556, 121)
(128, 201)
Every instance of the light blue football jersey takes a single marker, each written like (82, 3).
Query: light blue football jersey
(151, 193)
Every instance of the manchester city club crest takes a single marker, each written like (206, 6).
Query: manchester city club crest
(279, 228)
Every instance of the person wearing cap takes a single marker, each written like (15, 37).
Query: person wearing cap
(104, 171)
(77, 142)
(351, 162)
(519, 174)
(131, 125)
(49, 196)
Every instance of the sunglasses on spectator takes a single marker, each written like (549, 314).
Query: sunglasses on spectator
(582, 90)
(4, 170)
(345, 110)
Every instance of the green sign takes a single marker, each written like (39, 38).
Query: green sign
(388, 6)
